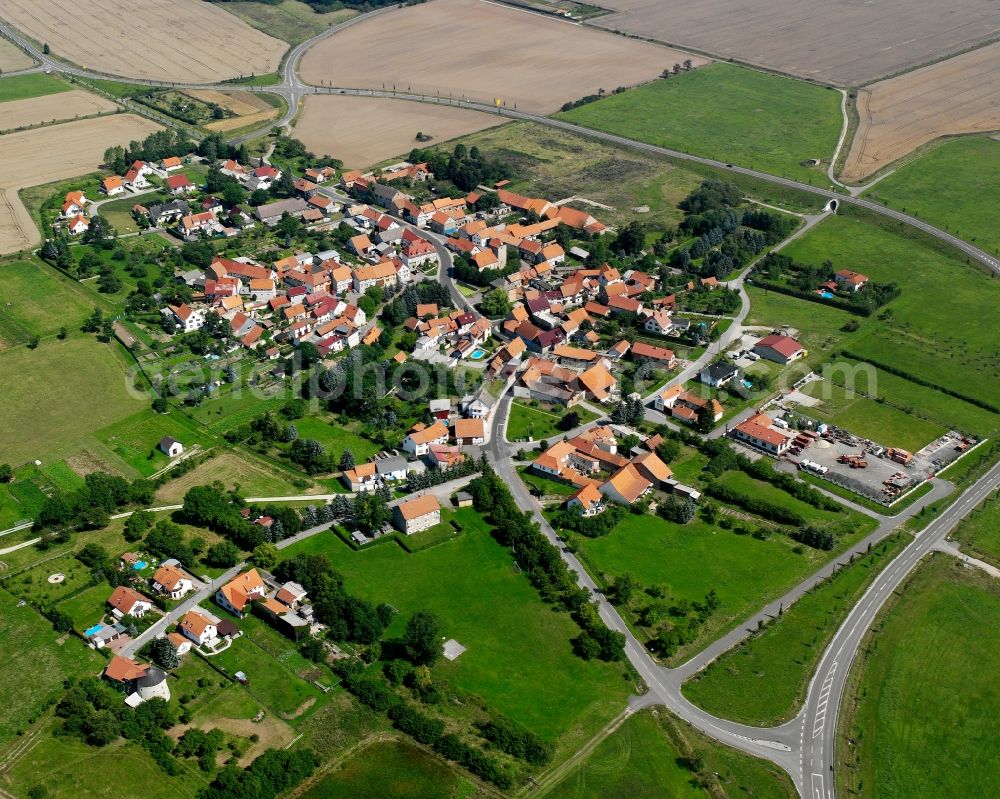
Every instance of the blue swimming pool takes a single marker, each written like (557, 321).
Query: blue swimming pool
(478, 354)
(93, 630)
(139, 565)
(826, 295)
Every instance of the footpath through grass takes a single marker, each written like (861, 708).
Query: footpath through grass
(955, 186)
(922, 699)
(729, 113)
(649, 757)
(763, 681)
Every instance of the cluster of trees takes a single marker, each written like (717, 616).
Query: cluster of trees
(590, 98)
(404, 306)
(465, 271)
(212, 507)
(272, 773)
(677, 509)
(628, 411)
(94, 712)
(516, 740)
(756, 505)
(349, 618)
(541, 561)
(782, 273)
(377, 694)
(156, 146)
(685, 620)
(200, 744)
(816, 539)
(466, 167)
(90, 507)
(590, 526)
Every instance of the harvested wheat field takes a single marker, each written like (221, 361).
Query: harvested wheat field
(846, 44)
(12, 57)
(52, 108)
(484, 51)
(249, 108)
(54, 153)
(183, 40)
(363, 131)
(901, 114)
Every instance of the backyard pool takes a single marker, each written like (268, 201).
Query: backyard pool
(93, 630)
(478, 354)
(139, 565)
(826, 295)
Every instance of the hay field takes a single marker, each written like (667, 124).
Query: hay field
(52, 108)
(484, 51)
(12, 57)
(363, 131)
(901, 114)
(847, 43)
(249, 108)
(184, 40)
(53, 153)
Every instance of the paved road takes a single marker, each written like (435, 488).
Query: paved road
(805, 745)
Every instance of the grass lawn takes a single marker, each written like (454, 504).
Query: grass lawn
(118, 212)
(689, 560)
(84, 388)
(35, 300)
(272, 684)
(225, 410)
(819, 326)
(21, 87)
(18, 501)
(33, 584)
(979, 533)
(519, 658)
(335, 438)
(687, 466)
(744, 484)
(640, 760)
(763, 681)
(391, 769)
(289, 20)
(730, 113)
(953, 186)
(528, 422)
(135, 438)
(255, 479)
(870, 419)
(87, 607)
(941, 329)
(36, 661)
(922, 700)
(546, 485)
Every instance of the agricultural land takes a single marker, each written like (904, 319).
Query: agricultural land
(195, 41)
(898, 729)
(845, 45)
(900, 115)
(477, 64)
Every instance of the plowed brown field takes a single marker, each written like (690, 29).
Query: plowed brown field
(846, 43)
(33, 157)
(363, 131)
(485, 51)
(901, 114)
(183, 40)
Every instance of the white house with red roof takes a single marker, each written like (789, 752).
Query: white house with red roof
(778, 348)
(236, 595)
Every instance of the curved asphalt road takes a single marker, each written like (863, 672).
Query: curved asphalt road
(805, 746)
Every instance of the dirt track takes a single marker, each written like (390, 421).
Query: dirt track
(364, 131)
(183, 40)
(33, 157)
(52, 108)
(847, 43)
(901, 114)
(485, 51)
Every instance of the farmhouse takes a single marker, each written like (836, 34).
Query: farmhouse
(778, 348)
(627, 486)
(170, 447)
(362, 478)
(179, 184)
(187, 318)
(236, 595)
(113, 186)
(588, 501)
(417, 514)
(469, 432)
(759, 431)
(77, 225)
